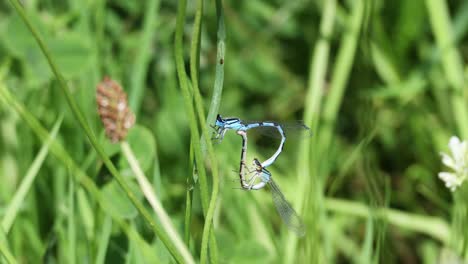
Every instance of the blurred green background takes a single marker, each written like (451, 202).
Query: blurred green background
(381, 83)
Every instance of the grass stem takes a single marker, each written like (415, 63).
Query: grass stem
(153, 200)
(195, 136)
(428, 225)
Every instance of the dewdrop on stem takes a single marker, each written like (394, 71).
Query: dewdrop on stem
(457, 161)
(113, 110)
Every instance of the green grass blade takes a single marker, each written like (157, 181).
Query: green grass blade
(103, 242)
(143, 57)
(341, 71)
(184, 85)
(194, 68)
(188, 214)
(451, 59)
(219, 74)
(312, 108)
(208, 207)
(4, 248)
(71, 222)
(15, 204)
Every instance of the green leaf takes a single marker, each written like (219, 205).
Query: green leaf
(17, 38)
(109, 148)
(72, 50)
(21, 44)
(116, 202)
(73, 53)
(86, 213)
(3, 238)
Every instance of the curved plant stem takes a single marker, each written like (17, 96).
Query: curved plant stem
(195, 53)
(195, 136)
(194, 68)
(184, 84)
(188, 212)
(92, 138)
(219, 74)
(154, 202)
(220, 60)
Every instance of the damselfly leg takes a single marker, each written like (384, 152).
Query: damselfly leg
(242, 166)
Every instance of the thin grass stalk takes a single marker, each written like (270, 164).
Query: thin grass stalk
(188, 214)
(154, 202)
(99, 18)
(220, 60)
(451, 60)
(93, 140)
(195, 53)
(194, 70)
(184, 84)
(190, 182)
(143, 56)
(459, 218)
(14, 205)
(86, 213)
(71, 223)
(55, 148)
(434, 227)
(5, 249)
(379, 199)
(103, 241)
(341, 72)
(219, 72)
(312, 108)
(339, 78)
(195, 137)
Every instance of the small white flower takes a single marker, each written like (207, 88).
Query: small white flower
(457, 162)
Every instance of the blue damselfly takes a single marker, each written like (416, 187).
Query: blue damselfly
(223, 124)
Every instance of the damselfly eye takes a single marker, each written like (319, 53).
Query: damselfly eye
(113, 109)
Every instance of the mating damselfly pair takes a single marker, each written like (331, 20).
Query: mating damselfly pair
(260, 176)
